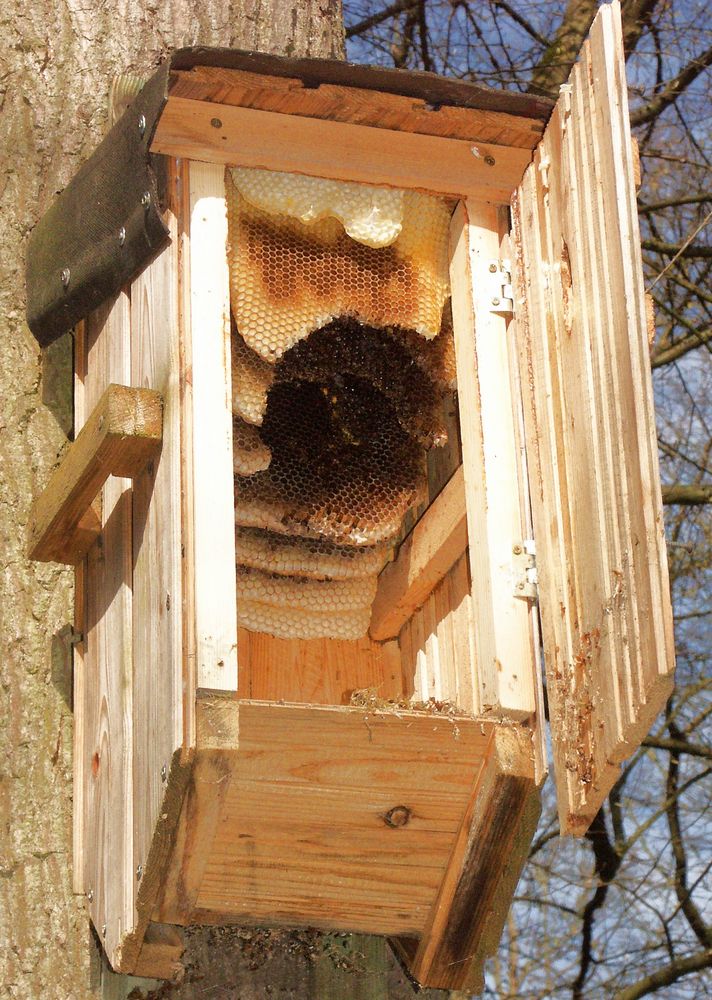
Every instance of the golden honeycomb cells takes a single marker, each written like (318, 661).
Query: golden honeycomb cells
(249, 452)
(252, 379)
(313, 558)
(288, 278)
(296, 623)
(342, 354)
(311, 595)
(371, 215)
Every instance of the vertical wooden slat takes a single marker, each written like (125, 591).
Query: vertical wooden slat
(79, 652)
(107, 750)
(213, 494)
(505, 671)
(157, 539)
(590, 431)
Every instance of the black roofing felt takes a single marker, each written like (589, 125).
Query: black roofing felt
(106, 226)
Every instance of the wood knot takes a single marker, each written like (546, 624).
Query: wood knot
(397, 816)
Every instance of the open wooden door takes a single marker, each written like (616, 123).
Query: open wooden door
(590, 429)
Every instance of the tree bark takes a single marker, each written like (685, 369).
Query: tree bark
(57, 67)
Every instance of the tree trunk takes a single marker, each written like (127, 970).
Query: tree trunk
(58, 64)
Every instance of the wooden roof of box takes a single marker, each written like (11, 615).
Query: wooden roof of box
(107, 224)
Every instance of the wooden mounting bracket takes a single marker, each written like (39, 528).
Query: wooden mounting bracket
(120, 437)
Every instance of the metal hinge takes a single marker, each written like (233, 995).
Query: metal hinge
(501, 296)
(524, 570)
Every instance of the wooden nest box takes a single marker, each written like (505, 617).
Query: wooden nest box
(368, 763)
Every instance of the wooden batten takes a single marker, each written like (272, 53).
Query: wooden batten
(337, 150)
(120, 437)
(213, 501)
(436, 542)
(354, 105)
(495, 521)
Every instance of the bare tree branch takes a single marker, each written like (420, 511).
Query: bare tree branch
(678, 746)
(672, 90)
(658, 206)
(382, 15)
(687, 495)
(558, 58)
(635, 15)
(681, 347)
(665, 975)
(694, 250)
(521, 21)
(694, 918)
(607, 863)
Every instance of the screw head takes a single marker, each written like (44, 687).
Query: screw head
(164, 773)
(495, 302)
(90, 895)
(493, 268)
(397, 816)
(146, 199)
(490, 161)
(216, 122)
(139, 872)
(65, 275)
(141, 125)
(517, 550)
(103, 930)
(520, 586)
(122, 236)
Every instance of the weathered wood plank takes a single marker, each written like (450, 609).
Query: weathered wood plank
(438, 539)
(603, 585)
(337, 150)
(467, 919)
(316, 671)
(157, 584)
(212, 488)
(355, 105)
(122, 434)
(106, 754)
(297, 802)
(505, 667)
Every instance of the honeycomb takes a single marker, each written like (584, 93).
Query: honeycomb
(312, 595)
(296, 623)
(288, 278)
(371, 215)
(342, 466)
(342, 353)
(251, 381)
(313, 558)
(249, 452)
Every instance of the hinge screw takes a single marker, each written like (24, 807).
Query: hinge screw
(517, 550)
(490, 161)
(164, 773)
(146, 199)
(495, 302)
(90, 895)
(141, 125)
(493, 268)
(122, 236)
(139, 872)
(64, 275)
